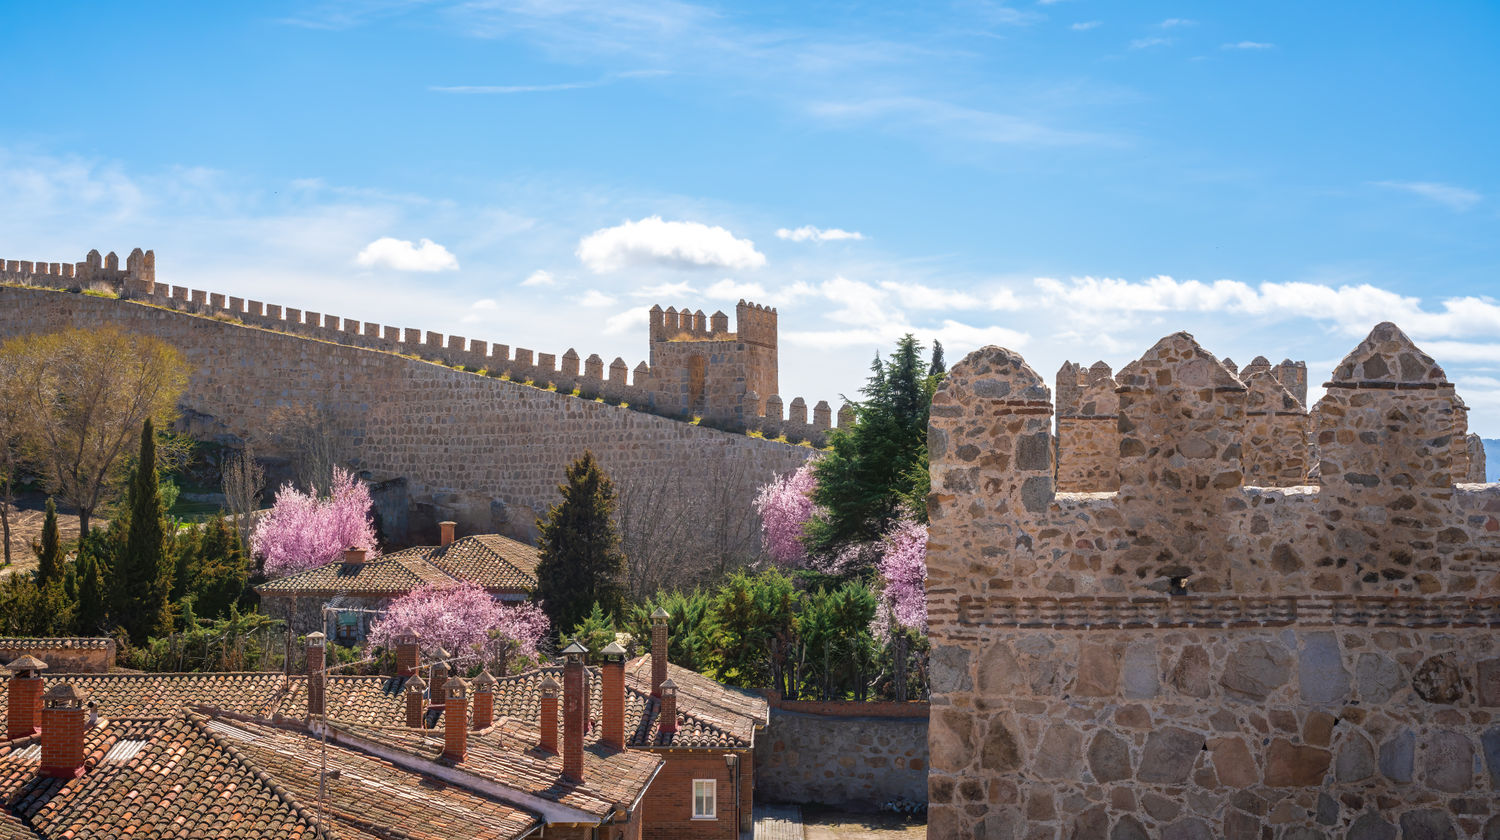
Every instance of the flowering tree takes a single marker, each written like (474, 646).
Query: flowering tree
(903, 568)
(463, 620)
(303, 531)
(785, 505)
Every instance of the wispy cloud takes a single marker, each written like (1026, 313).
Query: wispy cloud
(1247, 45)
(539, 278)
(957, 121)
(548, 88)
(1085, 25)
(403, 255)
(1173, 23)
(1458, 199)
(595, 299)
(808, 233)
(1150, 43)
(653, 241)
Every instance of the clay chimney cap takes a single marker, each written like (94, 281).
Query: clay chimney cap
(550, 687)
(667, 684)
(65, 691)
(414, 683)
(440, 668)
(575, 648)
(484, 680)
(613, 649)
(26, 663)
(660, 614)
(316, 638)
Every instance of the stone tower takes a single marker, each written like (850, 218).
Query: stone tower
(699, 367)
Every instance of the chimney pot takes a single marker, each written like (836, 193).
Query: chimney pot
(354, 557)
(455, 719)
(484, 699)
(575, 714)
(416, 701)
(63, 726)
(612, 687)
(447, 529)
(659, 642)
(440, 673)
(317, 675)
(548, 723)
(668, 707)
(408, 655)
(23, 714)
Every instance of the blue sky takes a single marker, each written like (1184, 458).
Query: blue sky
(1072, 179)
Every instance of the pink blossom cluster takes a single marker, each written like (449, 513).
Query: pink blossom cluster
(785, 505)
(303, 531)
(463, 620)
(903, 568)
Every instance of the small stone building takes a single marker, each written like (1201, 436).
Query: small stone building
(1190, 653)
(341, 599)
(69, 654)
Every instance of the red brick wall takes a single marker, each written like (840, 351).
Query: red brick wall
(668, 806)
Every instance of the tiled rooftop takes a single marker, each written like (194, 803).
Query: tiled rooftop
(499, 564)
(137, 695)
(56, 643)
(506, 753)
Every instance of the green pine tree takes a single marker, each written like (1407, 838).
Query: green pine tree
(49, 565)
(580, 561)
(595, 632)
(142, 576)
(939, 366)
(93, 605)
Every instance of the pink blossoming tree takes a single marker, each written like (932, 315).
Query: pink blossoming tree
(303, 531)
(903, 569)
(785, 505)
(463, 620)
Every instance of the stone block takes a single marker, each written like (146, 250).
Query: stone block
(1448, 761)
(1398, 756)
(1295, 765)
(1356, 758)
(1233, 762)
(1139, 671)
(1321, 675)
(1256, 668)
(1427, 824)
(1060, 754)
(1109, 757)
(1169, 755)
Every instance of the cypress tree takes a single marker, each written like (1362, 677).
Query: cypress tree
(49, 558)
(92, 609)
(142, 574)
(580, 561)
(939, 366)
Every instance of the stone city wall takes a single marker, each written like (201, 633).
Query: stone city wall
(485, 452)
(1192, 657)
(843, 754)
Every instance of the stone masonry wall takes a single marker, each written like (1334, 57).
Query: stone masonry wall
(843, 760)
(1192, 657)
(486, 452)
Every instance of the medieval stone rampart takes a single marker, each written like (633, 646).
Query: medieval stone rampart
(698, 368)
(1188, 656)
(483, 451)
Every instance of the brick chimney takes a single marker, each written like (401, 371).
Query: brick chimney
(23, 714)
(658, 650)
(612, 687)
(354, 557)
(668, 713)
(439, 677)
(416, 701)
(484, 699)
(317, 678)
(575, 715)
(455, 719)
(64, 721)
(408, 655)
(548, 723)
(447, 529)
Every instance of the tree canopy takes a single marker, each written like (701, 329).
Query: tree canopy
(580, 563)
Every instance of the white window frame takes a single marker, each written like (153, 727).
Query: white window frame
(713, 793)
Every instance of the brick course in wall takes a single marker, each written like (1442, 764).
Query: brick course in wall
(1189, 656)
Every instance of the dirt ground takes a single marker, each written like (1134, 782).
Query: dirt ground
(840, 825)
(26, 525)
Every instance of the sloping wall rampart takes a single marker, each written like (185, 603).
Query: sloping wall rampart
(485, 451)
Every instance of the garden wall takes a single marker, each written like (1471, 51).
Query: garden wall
(848, 755)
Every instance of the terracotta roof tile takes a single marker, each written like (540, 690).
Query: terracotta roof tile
(499, 564)
(137, 695)
(56, 643)
(390, 575)
(372, 700)
(506, 753)
(732, 707)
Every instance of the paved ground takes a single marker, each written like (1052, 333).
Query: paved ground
(820, 824)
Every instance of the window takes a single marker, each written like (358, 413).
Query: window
(705, 799)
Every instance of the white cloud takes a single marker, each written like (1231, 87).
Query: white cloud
(402, 255)
(1148, 43)
(918, 296)
(479, 311)
(1085, 25)
(486, 303)
(1004, 299)
(630, 322)
(1454, 198)
(663, 291)
(810, 233)
(652, 241)
(1247, 45)
(539, 278)
(594, 299)
(1173, 23)
(727, 289)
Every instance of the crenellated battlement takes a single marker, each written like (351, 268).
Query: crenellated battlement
(697, 368)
